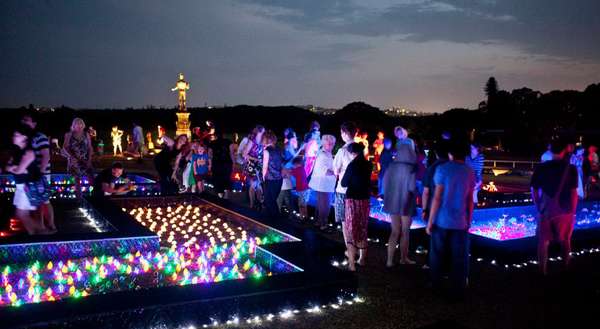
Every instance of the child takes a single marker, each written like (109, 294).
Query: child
(202, 165)
(299, 175)
(386, 157)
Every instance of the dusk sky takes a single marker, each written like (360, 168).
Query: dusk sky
(423, 55)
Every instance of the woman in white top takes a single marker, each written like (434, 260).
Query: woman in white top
(323, 180)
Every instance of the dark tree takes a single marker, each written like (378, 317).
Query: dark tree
(491, 88)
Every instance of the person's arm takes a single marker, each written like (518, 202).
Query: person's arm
(425, 202)
(470, 205)
(210, 161)
(26, 160)
(337, 163)
(265, 164)
(45, 152)
(435, 207)
(246, 150)
(574, 199)
(66, 148)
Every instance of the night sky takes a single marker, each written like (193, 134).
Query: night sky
(424, 55)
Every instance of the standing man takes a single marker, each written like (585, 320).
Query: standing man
(138, 139)
(342, 158)
(450, 218)
(41, 148)
(554, 191)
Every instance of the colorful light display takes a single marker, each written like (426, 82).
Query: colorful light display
(511, 223)
(184, 223)
(51, 281)
(63, 186)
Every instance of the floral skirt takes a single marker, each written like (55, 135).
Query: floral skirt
(357, 220)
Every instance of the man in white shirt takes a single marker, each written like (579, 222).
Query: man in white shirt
(342, 158)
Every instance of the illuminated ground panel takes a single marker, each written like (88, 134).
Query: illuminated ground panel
(202, 243)
(510, 223)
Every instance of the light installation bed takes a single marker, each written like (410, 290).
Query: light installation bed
(202, 250)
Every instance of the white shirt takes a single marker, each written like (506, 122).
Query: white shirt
(320, 180)
(342, 158)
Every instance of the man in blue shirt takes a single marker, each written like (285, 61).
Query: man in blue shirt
(450, 218)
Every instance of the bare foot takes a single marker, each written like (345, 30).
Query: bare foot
(407, 262)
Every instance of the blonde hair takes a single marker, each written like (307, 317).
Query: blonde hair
(399, 130)
(77, 122)
(328, 138)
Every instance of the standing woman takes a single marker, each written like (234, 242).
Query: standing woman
(399, 184)
(340, 162)
(78, 149)
(271, 173)
(253, 160)
(27, 177)
(357, 180)
(323, 180)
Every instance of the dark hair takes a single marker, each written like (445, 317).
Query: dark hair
(297, 160)
(459, 149)
(557, 146)
(387, 140)
(315, 125)
(23, 130)
(270, 137)
(356, 148)
(349, 128)
(31, 113)
(254, 132)
(441, 149)
(117, 165)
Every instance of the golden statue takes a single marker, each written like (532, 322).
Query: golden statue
(116, 135)
(182, 86)
(183, 117)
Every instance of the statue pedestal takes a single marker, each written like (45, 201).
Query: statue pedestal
(183, 124)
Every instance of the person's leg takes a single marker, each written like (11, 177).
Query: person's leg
(280, 201)
(340, 212)
(564, 229)
(302, 201)
(404, 241)
(47, 212)
(287, 199)
(544, 232)
(459, 253)
(252, 192)
(320, 208)
(78, 192)
(393, 240)
(31, 224)
(436, 256)
(351, 251)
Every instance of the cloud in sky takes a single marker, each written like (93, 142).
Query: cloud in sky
(426, 55)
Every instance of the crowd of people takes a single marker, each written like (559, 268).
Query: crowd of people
(281, 176)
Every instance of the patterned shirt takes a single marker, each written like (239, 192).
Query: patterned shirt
(40, 142)
(477, 165)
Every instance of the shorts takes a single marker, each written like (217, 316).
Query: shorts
(200, 177)
(21, 201)
(559, 228)
(303, 197)
(339, 207)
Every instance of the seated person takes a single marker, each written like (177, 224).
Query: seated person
(105, 183)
